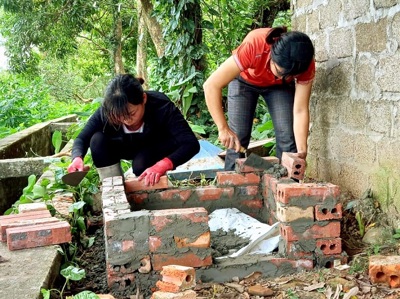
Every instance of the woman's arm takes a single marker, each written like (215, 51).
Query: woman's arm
(213, 86)
(301, 117)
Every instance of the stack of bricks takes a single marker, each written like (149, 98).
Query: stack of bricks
(177, 283)
(141, 241)
(309, 216)
(146, 227)
(33, 227)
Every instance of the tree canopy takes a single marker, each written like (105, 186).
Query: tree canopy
(76, 46)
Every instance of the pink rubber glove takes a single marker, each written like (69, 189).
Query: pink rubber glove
(77, 165)
(152, 174)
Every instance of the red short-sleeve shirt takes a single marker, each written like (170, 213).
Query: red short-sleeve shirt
(253, 59)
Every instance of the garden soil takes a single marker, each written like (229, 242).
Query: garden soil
(350, 283)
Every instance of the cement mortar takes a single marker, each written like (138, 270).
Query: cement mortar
(223, 242)
(224, 270)
(301, 225)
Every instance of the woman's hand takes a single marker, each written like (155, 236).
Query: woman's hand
(229, 139)
(77, 165)
(152, 174)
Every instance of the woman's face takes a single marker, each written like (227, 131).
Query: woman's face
(276, 70)
(136, 112)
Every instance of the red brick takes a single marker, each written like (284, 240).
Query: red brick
(240, 167)
(155, 243)
(296, 249)
(247, 190)
(306, 194)
(235, 179)
(34, 214)
(137, 198)
(188, 294)
(252, 203)
(161, 218)
(384, 270)
(269, 182)
(195, 215)
(6, 220)
(323, 212)
(184, 277)
(62, 203)
(203, 241)
(182, 195)
(188, 259)
(119, 270)
(272, 219)
(168, 287)
(38, 235)
(23, 222)
(295, 166)
(145, 265)
(213, 193)
(120, 282)
(133, 184)
(316, 231)
(307, 264)
(329, 246)
(329, 261)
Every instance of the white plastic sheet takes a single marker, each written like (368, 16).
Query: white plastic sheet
(263, 238)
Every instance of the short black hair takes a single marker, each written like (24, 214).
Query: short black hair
(293, 51)
(123, 89)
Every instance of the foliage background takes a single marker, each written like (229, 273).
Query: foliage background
(62, 53)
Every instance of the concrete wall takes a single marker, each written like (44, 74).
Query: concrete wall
(25, 153)
(355, 107)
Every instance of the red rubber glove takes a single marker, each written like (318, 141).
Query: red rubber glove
(152, 174)
(77, 165)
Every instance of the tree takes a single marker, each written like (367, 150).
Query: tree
(55, 28)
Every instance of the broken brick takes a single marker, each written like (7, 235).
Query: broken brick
(181, 276)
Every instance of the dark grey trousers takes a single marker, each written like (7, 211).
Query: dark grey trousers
(242, 102)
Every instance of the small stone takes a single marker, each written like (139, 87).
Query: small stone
(258, 290)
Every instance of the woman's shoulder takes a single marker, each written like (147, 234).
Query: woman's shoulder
(256, 34)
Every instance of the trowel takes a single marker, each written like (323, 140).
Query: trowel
(74, 178)
(255, 161)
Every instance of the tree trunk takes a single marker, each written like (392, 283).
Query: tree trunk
(141, 53)
(118, 63)
(153, 27)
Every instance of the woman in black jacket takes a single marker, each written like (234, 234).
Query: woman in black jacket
(132, 124)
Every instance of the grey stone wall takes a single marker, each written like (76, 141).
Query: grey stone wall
(355, 105)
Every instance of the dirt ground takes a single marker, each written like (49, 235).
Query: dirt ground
(349, 283)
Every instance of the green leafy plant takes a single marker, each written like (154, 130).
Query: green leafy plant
(56, 140)
(291, 294)
(396, 234)
(70, 273)
(360, 222)
(32, 193)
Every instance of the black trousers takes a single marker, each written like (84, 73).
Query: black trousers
(108, 151)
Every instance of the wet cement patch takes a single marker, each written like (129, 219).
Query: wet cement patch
(226, 242)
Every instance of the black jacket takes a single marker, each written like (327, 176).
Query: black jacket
(163, 122)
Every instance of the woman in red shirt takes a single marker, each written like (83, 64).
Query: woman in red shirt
(279, 66)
